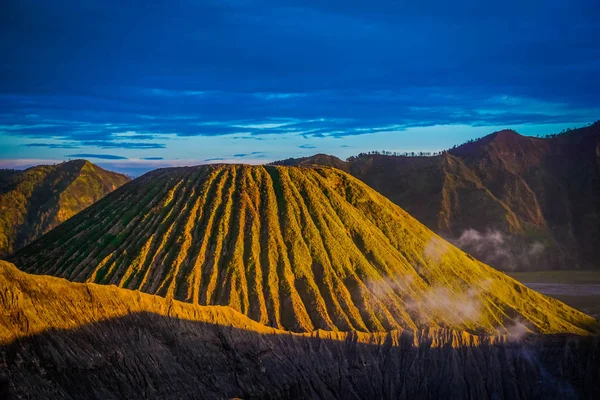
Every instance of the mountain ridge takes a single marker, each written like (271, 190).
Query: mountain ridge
(516, 202)
(37, 199)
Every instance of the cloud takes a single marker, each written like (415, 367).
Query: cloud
(152, 158)
(373, 74)
(360, 39)
(500, 250)
(99, 156)
(214, 159)
(379, 113)
(248, 138)
(132, 135)
(307, 146)
(53, 145)
(106, 144)
(254, 153)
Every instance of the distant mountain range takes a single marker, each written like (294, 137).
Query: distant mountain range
(37, 199)
(293, 248)
(513, 201)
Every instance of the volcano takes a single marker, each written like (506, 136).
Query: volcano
(293, 248)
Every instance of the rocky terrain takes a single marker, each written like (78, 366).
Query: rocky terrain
(37, 199)
(514, 202)
(293, 248)
(63, 340)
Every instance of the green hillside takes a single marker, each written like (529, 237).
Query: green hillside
(37, 199)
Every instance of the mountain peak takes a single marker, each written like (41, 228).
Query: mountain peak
(35, 200)
(506, 141)
(505, 137)
(505, 133)
(79, 161)
(317, 159)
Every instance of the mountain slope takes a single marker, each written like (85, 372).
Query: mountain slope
(317, 159)
(552, 185)
(64, 340)
(36, 200)
(294, 248)
(513, 201)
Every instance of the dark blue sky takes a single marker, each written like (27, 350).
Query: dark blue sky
(184, 82)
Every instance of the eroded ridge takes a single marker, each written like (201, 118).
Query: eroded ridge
(293, 248)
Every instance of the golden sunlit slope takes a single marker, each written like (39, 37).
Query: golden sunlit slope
(293, 248)
(67, 340)
(37, 199)
(32, 304)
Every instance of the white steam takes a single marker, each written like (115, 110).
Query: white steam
(495, 248)
(451, 303)
(453, 308)
(449, 306)
(515, 331)
(435, 249)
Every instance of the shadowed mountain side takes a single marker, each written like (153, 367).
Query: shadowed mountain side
(147, 356)
(37, 199)
(62, 340)
(513, 201)
(294, 248)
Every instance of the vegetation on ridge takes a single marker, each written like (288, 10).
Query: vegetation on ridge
(37, 199)
(515, 202)
(293, 248)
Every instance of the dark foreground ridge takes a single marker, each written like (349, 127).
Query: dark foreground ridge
(293, 248)
(146, 356)
(62, 340)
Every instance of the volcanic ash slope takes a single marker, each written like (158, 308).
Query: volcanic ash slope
(293, 248)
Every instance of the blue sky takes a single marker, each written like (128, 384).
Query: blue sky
(159, 83)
